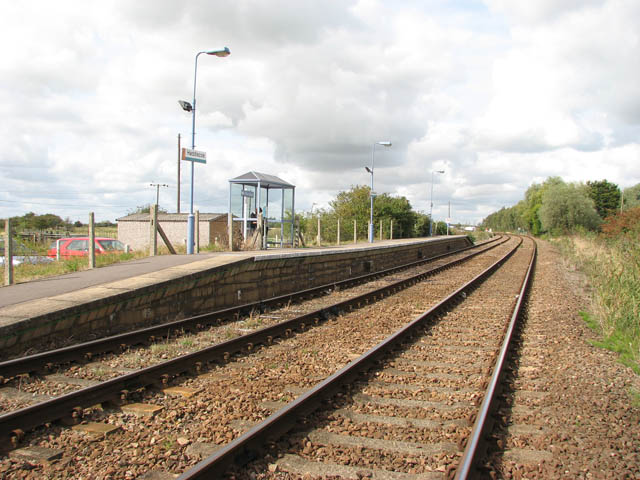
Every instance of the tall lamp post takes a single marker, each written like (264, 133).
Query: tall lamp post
(191, 107)
(370, 170)
(431, 201)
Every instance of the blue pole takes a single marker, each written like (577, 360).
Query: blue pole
(191, 218)
(373, 154)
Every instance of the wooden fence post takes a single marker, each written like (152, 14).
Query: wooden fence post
(391, 231)
(92, 242)
(381, 230)
(8, 253)
(153, 221)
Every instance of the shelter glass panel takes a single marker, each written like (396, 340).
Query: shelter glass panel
(275, 204)
(236, 200)
(288, 204)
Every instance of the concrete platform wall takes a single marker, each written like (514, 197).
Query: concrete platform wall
(142, 302)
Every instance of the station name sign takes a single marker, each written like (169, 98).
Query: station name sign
(194, 155)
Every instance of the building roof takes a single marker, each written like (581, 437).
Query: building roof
(265, 180)
(170, 217)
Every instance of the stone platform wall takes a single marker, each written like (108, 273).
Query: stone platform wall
(172, 295)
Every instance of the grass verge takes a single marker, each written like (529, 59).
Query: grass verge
(612, 267)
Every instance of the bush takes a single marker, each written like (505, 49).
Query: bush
(621, 224)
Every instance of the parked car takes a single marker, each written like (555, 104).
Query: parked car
(23, 254)
(79, 246)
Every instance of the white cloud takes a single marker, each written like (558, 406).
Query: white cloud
(498, 96)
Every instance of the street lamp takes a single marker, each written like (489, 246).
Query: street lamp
(191, 107)
(431, 201)
(370, 170)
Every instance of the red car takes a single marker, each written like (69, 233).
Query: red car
(79, 246)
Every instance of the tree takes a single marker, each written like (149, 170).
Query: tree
(605, 195)
(422, 225)
(354, 204)
(565, 208)
(146, 209)
(631, 197)
(399, 210)
(439, 228)
(31, 221)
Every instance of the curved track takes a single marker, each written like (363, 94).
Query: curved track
(227, 393)
(412, 415)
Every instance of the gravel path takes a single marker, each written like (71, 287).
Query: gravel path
(573, 397)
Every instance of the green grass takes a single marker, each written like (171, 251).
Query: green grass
(591, 322)
(28, 272)
(612, 268)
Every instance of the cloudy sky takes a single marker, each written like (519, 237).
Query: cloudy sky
(497, 93)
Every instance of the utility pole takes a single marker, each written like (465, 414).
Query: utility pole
(178, 209)
(158, 185)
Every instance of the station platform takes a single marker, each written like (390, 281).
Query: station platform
(131, 294)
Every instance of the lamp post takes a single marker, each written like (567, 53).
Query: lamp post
(191, 107)
(431, 201)
(370, 170)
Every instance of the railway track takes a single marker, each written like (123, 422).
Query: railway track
(207, 376)
(407, 407)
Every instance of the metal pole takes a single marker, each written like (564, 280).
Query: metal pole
(190, 218)
(373, 155)
(197, 231)
(178, 209)
(431, 207)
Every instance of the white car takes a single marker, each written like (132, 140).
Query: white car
(23, 254)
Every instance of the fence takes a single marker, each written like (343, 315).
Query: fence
(337, 231)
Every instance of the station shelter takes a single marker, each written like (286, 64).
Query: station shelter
(254, 193)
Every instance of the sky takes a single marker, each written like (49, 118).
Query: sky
(498, 94)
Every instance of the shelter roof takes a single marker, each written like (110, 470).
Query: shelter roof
(265, 180)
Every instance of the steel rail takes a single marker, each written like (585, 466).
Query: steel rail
(14, 424)
(46, 361)
(475, 445)
(248, 446)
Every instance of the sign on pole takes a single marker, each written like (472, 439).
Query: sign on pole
(194, 155)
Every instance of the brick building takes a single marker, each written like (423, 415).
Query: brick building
(133, 229)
